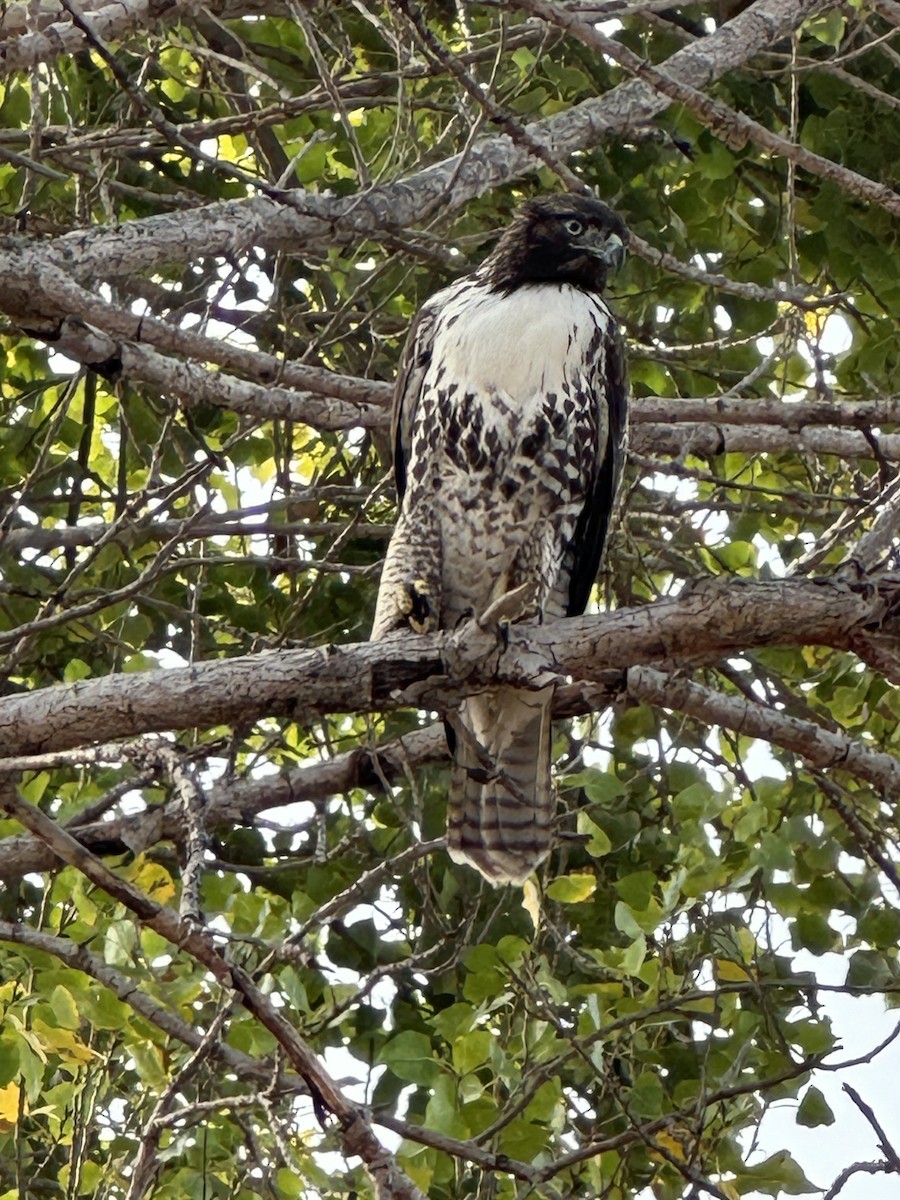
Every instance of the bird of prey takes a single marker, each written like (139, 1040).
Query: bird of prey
(509, 427)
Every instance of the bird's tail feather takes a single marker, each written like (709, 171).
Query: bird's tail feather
(501, 803)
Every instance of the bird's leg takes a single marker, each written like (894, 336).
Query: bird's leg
(409, 595)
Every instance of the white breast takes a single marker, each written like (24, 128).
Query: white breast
(516, 345)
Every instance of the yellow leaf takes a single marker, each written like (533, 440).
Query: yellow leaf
(572, 889)
(531, 902)
(33, 1041)
(9, 1104)
(731, 972)
(676, 1141)
(153, 879)
(62, 1042)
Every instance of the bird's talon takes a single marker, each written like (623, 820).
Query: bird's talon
(466, 615)
(506, 608)
(416, 606)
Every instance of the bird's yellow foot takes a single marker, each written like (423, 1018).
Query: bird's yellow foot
(416, 606)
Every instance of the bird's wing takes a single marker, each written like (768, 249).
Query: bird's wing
(414, 363)
(594, 520)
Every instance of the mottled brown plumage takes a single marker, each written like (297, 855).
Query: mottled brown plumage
(509, 421)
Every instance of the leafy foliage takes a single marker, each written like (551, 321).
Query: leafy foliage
(627, 1022)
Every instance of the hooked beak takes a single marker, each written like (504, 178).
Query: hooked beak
(612, 252)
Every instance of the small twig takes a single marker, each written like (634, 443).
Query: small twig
(884, 1142)
(865, 1168)
(864, 838)
(148, 1163)
(512, 127)
(357, 1136)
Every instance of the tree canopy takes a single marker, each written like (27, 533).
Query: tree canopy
(235, 959)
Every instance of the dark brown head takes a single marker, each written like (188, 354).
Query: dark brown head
(558, 239)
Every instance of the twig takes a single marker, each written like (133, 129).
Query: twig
(356, 1132)
(865, 839)
(147, 1164)
(734, 128)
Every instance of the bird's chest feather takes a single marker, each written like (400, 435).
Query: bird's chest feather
(509, 396)
(517, 345)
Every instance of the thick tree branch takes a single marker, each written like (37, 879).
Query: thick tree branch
(228, 802)
(299, 218)
(705, 426)
(22, 46)
(732, 127)
(121, 345)
(790, 414)
(698, 626)
(711, 440)
(818, 746)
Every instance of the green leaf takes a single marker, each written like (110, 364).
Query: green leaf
(814, 1109)
(696, 803)
(646, 1097)
(812, 931)
(880, 927)
(470, 1050)
(598, 844)
(600, 787)
(626, 920)
(869, 969)
(289, 1183)
(828, 28)
(572, 889)
(637, 888)
(633, 958)
(546, 1104)
(443, 1111)
(778, 1175)
(453, 1021)
(737, 556)
(409, 1055)
(65, 1010)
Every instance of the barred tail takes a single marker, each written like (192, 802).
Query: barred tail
(501, 803)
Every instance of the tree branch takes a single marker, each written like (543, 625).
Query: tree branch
(22, 48)
(302, 218)
(357, 1136)
(699, 626)
(732, 127)
(818, 746)
(227, 803)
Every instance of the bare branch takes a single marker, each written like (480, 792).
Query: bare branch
(699, 626)
(818, 746)
(356, 1133)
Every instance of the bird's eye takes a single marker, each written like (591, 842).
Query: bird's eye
(573, 226)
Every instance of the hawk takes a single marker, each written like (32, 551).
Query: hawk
(509, 428)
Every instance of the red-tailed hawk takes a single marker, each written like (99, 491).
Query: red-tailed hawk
(509, 424)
